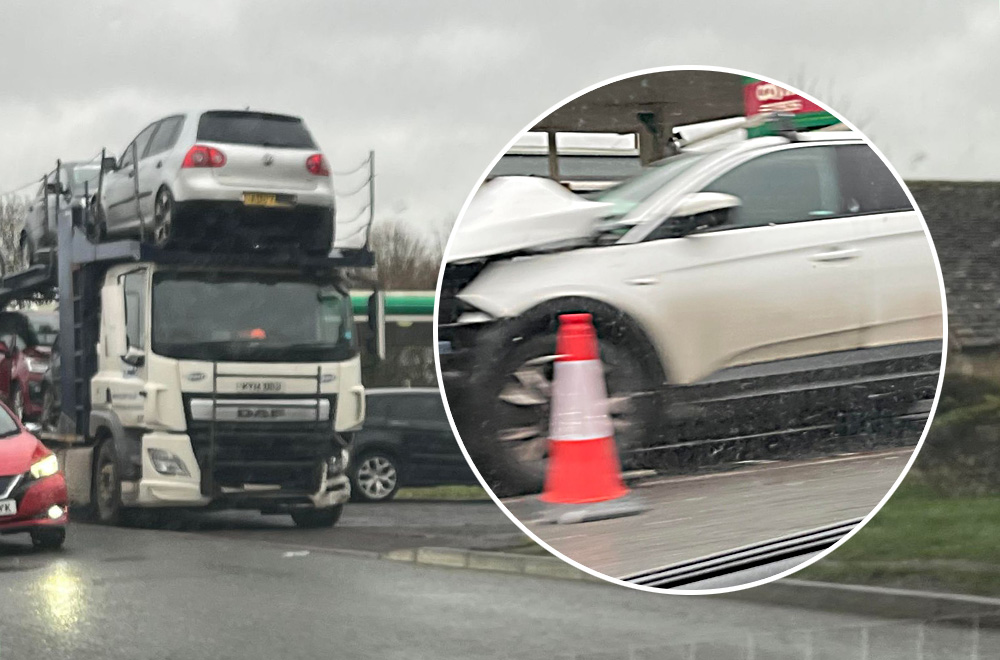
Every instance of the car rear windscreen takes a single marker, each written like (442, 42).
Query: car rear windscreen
(254, 128)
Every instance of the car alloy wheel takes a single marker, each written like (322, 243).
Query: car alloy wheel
(163, 220)
(377, 477)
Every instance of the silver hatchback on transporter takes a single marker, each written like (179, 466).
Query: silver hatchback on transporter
(232, 178)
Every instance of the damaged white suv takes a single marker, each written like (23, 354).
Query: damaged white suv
(753, 301)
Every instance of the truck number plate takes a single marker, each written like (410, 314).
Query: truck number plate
(268, 387)
(8, 507)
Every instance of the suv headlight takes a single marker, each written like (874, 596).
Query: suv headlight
(45, 467)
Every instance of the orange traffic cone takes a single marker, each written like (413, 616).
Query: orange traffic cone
(583, 481)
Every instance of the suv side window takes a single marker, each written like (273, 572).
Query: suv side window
(166, 135)
(791, 185)
(867, 184)
(135, 297)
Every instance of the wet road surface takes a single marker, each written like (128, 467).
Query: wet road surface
(137, 593)
(694, 516)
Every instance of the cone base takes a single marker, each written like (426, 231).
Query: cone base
(565, 514)
(583, 472)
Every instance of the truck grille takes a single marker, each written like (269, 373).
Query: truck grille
(289, 455)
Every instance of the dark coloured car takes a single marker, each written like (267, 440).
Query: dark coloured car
(406, 441)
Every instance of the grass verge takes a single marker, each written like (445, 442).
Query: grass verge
(921, 540)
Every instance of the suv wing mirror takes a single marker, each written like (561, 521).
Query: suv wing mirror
(109, 164)
(702, 210)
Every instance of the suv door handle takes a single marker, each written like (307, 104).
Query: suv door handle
(642, 281)
(836, 255)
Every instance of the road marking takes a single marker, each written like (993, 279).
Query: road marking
(893, 453)
(664, 522)
(295, 553)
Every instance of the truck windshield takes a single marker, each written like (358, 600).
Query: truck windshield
(250, 317)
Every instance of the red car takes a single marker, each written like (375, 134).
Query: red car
(24, 359)
(33, 497)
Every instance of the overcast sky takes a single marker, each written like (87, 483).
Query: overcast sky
(438, 88)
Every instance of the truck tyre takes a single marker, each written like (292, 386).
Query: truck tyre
(507, 437)
(317, 518)
(374, 476)
(106, 488)
(48, 538)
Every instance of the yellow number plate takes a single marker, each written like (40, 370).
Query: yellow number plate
(260, 199)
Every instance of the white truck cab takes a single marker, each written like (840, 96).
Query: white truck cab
(223, 386)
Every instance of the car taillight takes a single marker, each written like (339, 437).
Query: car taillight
(201, 156)
(317, 165)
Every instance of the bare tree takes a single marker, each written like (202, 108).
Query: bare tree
(405, 260)
(13, 212)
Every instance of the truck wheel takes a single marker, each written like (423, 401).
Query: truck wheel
(511, 389)
(163, 219)
(316, 518)
(107, 485)
(374, 477)
(50, 538)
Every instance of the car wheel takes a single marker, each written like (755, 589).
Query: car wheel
(316, 518)
(375, 477)
(17, 402)
(511, 392)
(107, 485)
(48, 538)
(163, 219)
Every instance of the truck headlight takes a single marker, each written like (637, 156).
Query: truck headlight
(166, 463)
(36, 365)
(45, 467)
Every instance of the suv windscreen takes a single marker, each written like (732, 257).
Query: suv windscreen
(255, 128)
(250, 317)
(628, 194)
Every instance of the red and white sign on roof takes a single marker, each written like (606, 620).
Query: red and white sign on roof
(763, 97)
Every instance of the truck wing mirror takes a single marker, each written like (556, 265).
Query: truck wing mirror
(376, 325)
(702, 210)
(134, 357)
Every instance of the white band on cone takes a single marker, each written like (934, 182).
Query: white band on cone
(579, 402)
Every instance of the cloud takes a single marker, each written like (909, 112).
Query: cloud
(437, 88)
